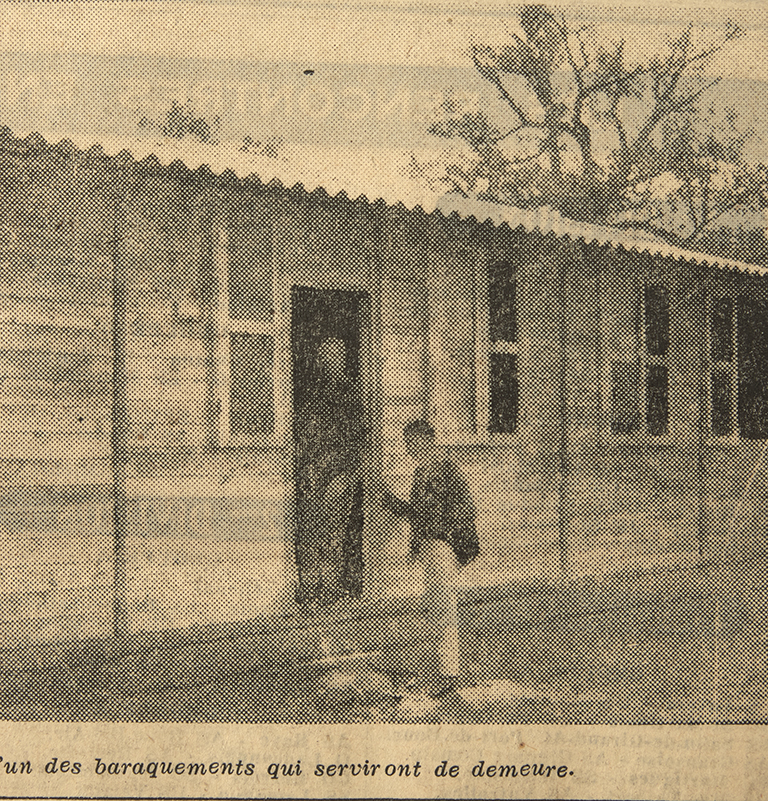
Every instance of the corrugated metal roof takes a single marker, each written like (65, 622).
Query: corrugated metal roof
(385, 180)
(547, 220)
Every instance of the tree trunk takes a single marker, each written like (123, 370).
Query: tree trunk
(552, 148)
(583, 137)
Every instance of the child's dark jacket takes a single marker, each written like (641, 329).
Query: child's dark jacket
(440, 508)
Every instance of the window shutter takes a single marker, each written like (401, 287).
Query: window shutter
(503, 363)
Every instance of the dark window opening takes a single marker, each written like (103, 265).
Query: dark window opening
(657, 400)
(721, 404)
(251, 382)
(502, 302)
(721, 342)
(504, 393)
(625, 392)
(656, 320)
(753, 368)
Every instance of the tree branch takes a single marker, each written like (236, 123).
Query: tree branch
(492, 75)
(529, 158)
(615, 83)
(457, 186)
(664, 104)
(669, 84)
(619, 126)
(687, 197)
(681, 103)
(734, 202)
(705, 202)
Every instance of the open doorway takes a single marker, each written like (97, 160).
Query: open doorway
(331, 432)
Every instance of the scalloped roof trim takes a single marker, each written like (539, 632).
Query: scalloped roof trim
(388, 186)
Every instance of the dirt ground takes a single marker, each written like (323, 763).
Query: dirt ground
(699, 658)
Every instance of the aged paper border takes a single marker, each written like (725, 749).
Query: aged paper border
(702, 762)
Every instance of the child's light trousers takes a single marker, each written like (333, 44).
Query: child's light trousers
(441, 572)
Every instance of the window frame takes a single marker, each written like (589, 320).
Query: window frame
(711, 366)
(644, 360)
(225, 327)
(648, 360)
(486, 346)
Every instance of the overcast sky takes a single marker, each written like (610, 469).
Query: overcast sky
(424, 33)
(380, 69)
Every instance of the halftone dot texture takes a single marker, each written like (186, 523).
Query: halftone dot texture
(192, 524)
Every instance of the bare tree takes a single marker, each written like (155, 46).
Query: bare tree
(665, 164)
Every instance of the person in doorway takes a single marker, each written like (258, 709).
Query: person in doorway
(441, 513)
(330, 442)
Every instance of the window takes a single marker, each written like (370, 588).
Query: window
(639, 397)
(251, 367)
(503, 383)
(247, 337)
(655, 352)
(752, 359)
(625, 392)
(721, 366)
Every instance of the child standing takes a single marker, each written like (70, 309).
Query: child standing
(441, 514)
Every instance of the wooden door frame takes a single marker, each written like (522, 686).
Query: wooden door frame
(370, 368)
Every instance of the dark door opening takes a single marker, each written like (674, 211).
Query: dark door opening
(331, 436)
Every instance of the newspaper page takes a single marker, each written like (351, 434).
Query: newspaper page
(384, 400)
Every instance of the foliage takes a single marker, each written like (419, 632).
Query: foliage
(600, 138)
(181, 121)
